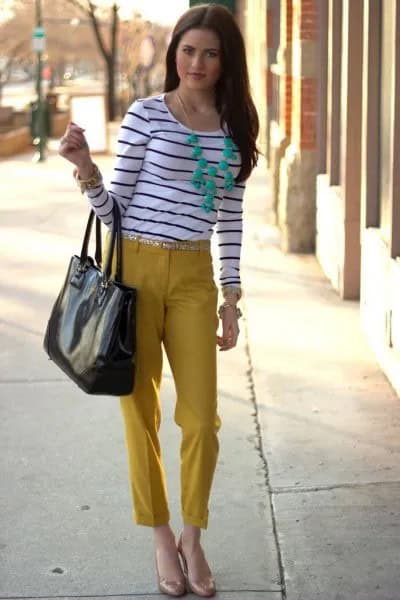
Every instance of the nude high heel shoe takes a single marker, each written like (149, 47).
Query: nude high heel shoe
(204, 588)
(171, 588)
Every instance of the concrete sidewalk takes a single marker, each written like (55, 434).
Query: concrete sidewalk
(305, 503)
(328, 423)
(65, 526)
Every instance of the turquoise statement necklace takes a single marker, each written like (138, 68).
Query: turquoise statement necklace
(204, 174)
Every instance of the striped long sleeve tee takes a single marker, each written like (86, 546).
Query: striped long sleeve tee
(151, 182)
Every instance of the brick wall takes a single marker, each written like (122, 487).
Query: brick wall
(286, 78)
(287, 83)
(305, 33)
(308, 113)
(296, 210)
(289, 21)
(308, 25)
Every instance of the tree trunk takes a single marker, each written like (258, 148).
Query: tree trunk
(111, 108)
(112, 63)
(109, 56)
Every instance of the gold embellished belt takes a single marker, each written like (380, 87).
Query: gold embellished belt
(182, 245)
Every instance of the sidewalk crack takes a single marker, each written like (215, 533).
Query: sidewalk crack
(260, 449)
(333, 486)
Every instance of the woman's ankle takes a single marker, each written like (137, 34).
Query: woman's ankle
(163, 534)
(190, 536)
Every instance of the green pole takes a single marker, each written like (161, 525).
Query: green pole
(40, 111)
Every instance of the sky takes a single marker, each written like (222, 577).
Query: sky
(165, 12)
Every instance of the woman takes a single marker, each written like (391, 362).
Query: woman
(182, 159)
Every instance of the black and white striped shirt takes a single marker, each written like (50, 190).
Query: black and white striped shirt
(151, 183)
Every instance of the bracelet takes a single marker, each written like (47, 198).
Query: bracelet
(92, 182)
(228, 290)
(226, 305)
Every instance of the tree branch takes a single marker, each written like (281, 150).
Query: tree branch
(96, 30)
(5, 72)
(78, 5)
(114, 29)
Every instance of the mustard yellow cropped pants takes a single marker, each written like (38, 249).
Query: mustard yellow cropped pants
(176, 308)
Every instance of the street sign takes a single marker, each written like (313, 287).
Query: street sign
(39, 39)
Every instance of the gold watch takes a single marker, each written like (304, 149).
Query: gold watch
(226, 305)
(93, 181)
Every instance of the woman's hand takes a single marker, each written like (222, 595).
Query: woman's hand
(230, 329)
(74, 147)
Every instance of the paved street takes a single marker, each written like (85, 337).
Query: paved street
(306, 498)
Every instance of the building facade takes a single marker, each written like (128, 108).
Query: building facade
(333, 150)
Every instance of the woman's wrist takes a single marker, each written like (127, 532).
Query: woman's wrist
(88, 179)
(231, 294)
(84, 171)
(231, 298)
(227, 306)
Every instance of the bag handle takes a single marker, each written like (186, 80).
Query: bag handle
(98, 254)
(115, 237)
(86, 238)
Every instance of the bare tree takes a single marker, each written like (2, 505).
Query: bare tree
(14, 48)
(108, 49)
(16, 53)
(71, 45)
(135, 67)
(65, 44)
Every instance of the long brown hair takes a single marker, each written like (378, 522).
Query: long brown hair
(233, 98)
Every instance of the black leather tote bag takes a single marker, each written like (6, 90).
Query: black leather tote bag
(91, 331)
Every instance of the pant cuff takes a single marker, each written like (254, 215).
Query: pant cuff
(151, 520)
(195, 521)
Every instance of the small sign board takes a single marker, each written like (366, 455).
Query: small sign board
(39, 39)
(89, 112)
(147, 51)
